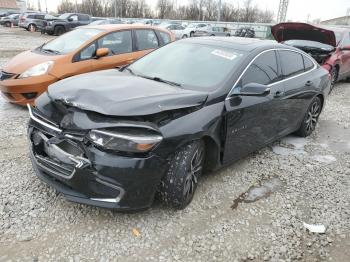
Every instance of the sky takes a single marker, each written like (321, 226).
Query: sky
(298, 10)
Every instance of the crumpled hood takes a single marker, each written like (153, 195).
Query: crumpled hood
(26, 60)
(301, 31)
(115, 93)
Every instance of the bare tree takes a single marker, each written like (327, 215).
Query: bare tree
(167, 9)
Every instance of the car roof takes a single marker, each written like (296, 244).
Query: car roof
(113, 27)
(239, 43)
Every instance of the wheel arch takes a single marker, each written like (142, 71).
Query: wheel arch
(212, 153)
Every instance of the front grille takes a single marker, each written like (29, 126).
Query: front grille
(4, 75)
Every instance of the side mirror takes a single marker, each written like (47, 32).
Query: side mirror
(101, 52)
(346, 48)
(254, 89)
(70, 19)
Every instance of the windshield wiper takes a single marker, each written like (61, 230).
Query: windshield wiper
(50, 51)
(128, 69)
(158, 79)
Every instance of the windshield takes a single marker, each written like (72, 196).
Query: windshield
(70, 41)
(191, 65)
(64, 16)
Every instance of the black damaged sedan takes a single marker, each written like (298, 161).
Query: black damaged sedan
(118, 137)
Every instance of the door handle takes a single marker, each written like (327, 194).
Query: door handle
(278, 94)
(309, 83)
(130, 61)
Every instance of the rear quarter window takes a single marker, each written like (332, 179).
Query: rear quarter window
(165, 37)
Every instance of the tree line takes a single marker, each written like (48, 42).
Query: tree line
(202, 10)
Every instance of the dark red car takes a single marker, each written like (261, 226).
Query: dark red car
(329, 46)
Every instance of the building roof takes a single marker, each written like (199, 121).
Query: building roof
(337, 18)
(8, 4)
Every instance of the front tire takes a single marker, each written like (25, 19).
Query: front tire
(184, 36)
(32, 28)
(180, 181)
(59, 30)
(311, 118)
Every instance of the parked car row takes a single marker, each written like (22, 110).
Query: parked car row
(113, 124)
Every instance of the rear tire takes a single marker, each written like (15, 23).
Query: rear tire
(334, 77)
(191, 34)
(8, 24)
(184, 36)
(59, 30)
(311, 118)
(180, 182)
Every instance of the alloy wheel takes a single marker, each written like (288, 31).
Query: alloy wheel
(193, 173)
(312, 116)
(334, 77)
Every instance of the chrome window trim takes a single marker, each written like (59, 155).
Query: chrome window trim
(280, 81)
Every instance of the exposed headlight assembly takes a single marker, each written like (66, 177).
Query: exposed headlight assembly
(134, 141)
(37, 70)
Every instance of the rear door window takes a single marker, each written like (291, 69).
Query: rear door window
(292, 63)
(264, 70)
(83, 17)
(39, 16)
(117, 42)
(146, 39)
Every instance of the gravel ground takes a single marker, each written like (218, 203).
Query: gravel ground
(293, 181)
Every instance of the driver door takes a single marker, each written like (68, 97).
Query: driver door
(252, 120)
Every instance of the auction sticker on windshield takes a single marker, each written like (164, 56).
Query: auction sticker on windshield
(224, 54)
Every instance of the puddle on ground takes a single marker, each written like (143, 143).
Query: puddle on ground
(254, 193)
(290, 145)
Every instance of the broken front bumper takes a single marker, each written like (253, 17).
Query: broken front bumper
(88, 175)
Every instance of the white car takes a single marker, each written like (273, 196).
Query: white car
(191, 28)
(176, 29)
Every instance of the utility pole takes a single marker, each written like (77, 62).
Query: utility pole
(76, 6)
(39, 6)
(219, 11)
(46, 6)
(115, 9)
(282, 11)
(347, 16)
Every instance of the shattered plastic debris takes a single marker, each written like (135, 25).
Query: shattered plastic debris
(136, 232)
(315, 228)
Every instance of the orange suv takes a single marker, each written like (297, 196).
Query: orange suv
(86, 49)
